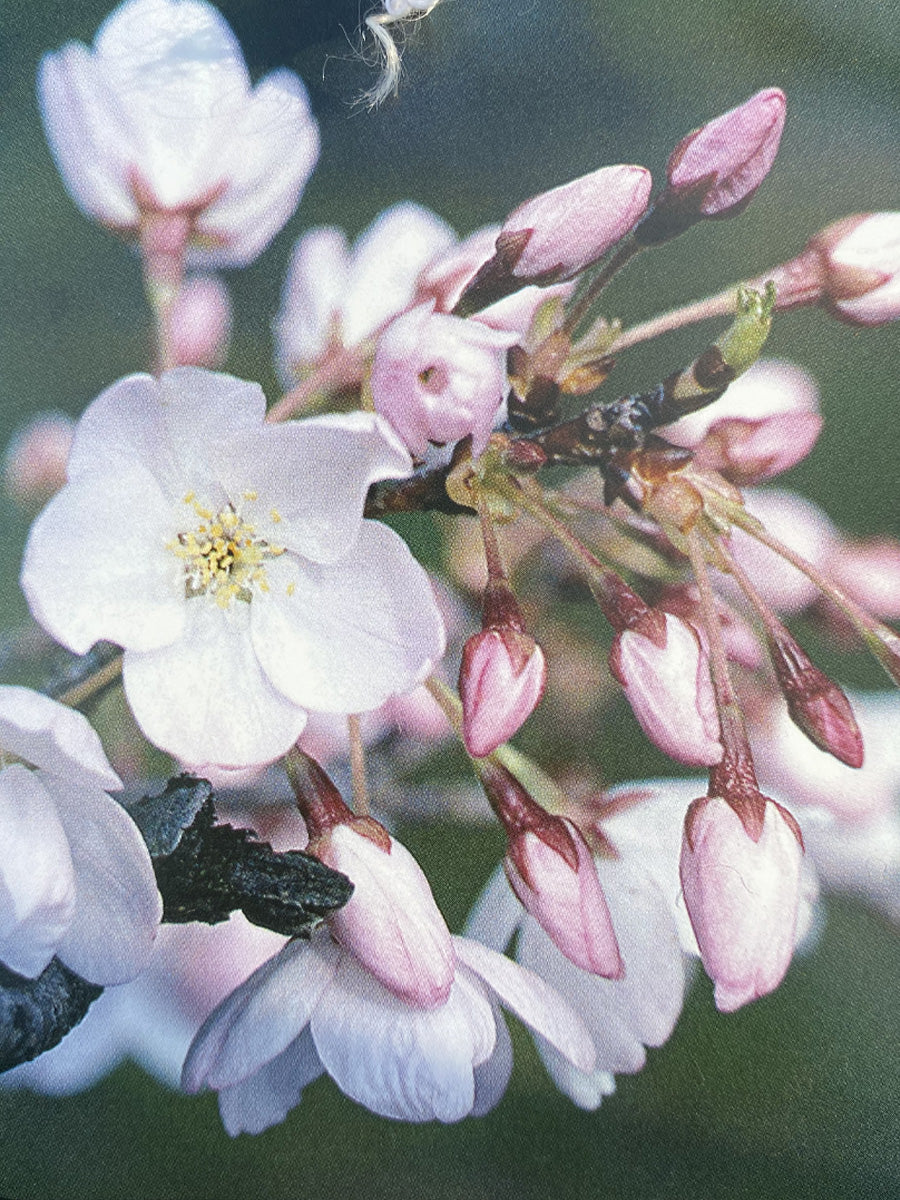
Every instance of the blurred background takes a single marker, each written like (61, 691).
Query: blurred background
(797, 1096)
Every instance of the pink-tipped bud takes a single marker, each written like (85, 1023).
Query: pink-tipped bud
(667, 683)
(34, 466)
(558, 234)
(715, 171)
(552, 871)
(201, 322)
(816, 704)
(742, 891)
(501, 682)
(766, 422)
(438, 378)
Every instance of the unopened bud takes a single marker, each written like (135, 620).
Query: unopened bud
(742, 895)
(552, 871)
(560, 233)
(501, 682)
(668, 685)
(715, 171)
(34, 466)
(438, 378)
(816, 704)
(201, 322)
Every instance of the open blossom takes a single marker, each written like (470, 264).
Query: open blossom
(230, 559)
(316, 1006)
(438, 378)
(75, 874)
(742, 893)
(669, 689)
(159, 119)
(337, 296)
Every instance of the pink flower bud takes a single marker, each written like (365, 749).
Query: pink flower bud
(558, 234)
(723, 162)
(34, 466)
(742, 895)
(767, 421)
(861, 267)
(816, 704)
(668, 686)
(501, 681)
(391, 922)
(201, 322)
(438, 378)
(558, 885)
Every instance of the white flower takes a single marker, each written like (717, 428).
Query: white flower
(76, 879)
(231, 561)
(160, 117)
(314, 1007)
(334, 295)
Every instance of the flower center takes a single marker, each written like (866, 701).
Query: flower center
(223, 555)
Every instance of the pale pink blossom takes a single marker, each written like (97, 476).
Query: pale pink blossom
(861, 268)
(160, 118)
(720, 165)
(304, 606)
(669, 689)
(200, 322)
(767, 421)
(501, 682)
(75, 873)
(869, 572)
(34, 465)
(438, 378)
(742, 894)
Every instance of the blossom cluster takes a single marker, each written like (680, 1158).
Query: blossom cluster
(270, 623)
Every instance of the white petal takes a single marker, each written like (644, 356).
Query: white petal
(37, 879)
(123, 426)
(265, 1099)
(272, 150)
(90, 136)
(310, 300)
(51, 736)
(497, 914)
(96, 564)
(531, 999)
(261, 1017)
(350, 635)
(315, 475)
(407, 1063)
(117, 905)
(492, 1076)
(205, 699)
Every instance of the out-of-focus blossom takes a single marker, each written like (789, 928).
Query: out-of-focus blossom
(869, 572)
(741, 641)
(669, 689)
(159, 120)
(75, 874)
(34, 465)
(742, 894)
(438, 378)
(556, 235)
(767, 421)
(798, 523)
(715, 171)
(200, 322)
(231, 560)
(317, 1007)
(335, 296)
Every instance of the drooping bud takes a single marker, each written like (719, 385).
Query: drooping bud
(503, 674)
(438, 378)
(816, 704)
(200, 322)
(552, 871)
(391, 922)
(715, 171)
(558, 234)
(665, 673)
(34, 465)
(742, 894)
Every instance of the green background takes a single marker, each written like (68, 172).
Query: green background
(797, 1096)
